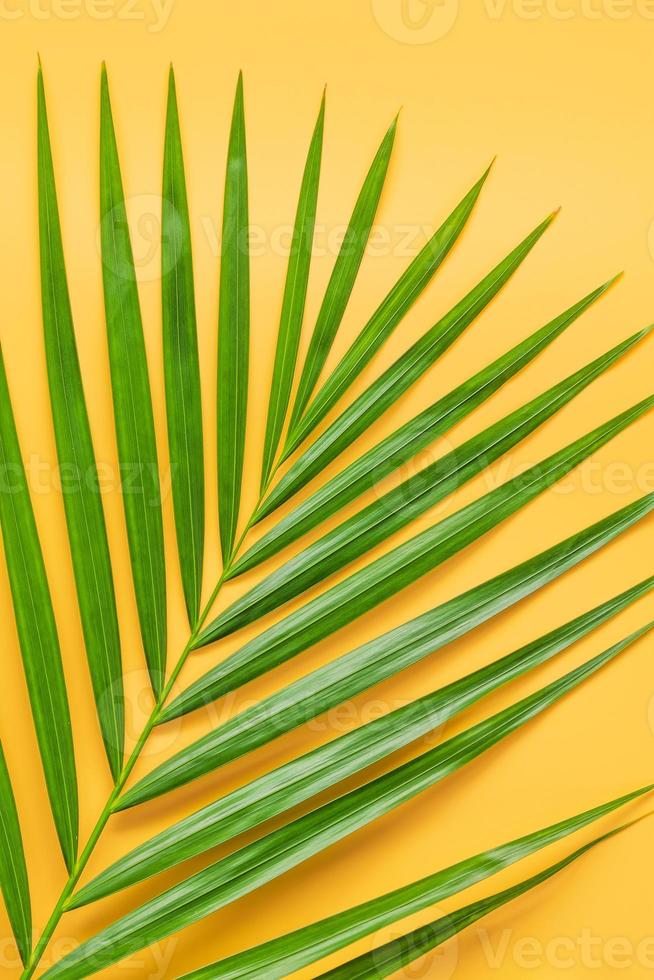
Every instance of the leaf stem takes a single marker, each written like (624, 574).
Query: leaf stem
(83, 859)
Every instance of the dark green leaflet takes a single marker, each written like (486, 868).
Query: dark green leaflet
(295, 294)
(386, 655)
(396, 509)
(181, 363)
(344, 275)
(280, 957)
(385, 319)
(407, 441)
(137, 450)
(233, 330)
(82, 501)
(397, 379)
(37, 631)
(392, 956)
(342, 679)
(303, 778)
(13, 872)
(406, 563)
(265, 859)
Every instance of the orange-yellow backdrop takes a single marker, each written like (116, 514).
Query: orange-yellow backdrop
(561, 92)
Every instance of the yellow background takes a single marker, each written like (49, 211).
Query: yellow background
(565, 102)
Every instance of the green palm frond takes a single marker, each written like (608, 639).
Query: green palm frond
(182, 364)
(37, 633)
(304, 420)
(256, 864)
(398, 953)
(334, 762)
(282, 956)
(137, 450)
(14, 884)
(84, 515)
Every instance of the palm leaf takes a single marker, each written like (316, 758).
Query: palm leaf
(407, 441)
(385, 319)
(405, 564)
(87, 532)
(281, 957)
(344, 274)
(13, 872)
(321, 438)
(396, 509)
(386, 655)
(265, 859)
(133, 416)
(181, 364)
(233, 330)
(295, 294)
(392, 384)
(394, 955)
(37, 633)
(324, 767)
(375, 661)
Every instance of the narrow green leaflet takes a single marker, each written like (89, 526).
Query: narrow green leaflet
(299, 780)
(137, 450)
(295, 294)
(406, 563)
(386, 960)
(357, 671)
(397, 379)
(256, 864)
(403, 504)
(412, 437)
(13, 872)
(281, 957)
(80, 491)
(385, 319)
(344, 274)
(181, 363)
(37, 632)
(386, 655)
(233, 330)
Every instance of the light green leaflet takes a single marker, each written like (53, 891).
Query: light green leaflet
(81, 493)
(299, 780)
(386, 655)
(233, 330)
(281, 957)
(181, 364)
(265, 859)
(393, 956)
(344, 274)
(13, 872)
(403, 504)
(295, 294)
(397, 379)
(37, 632)
(415, 435)
(385, 319)
(406, 563)
(137, 450)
